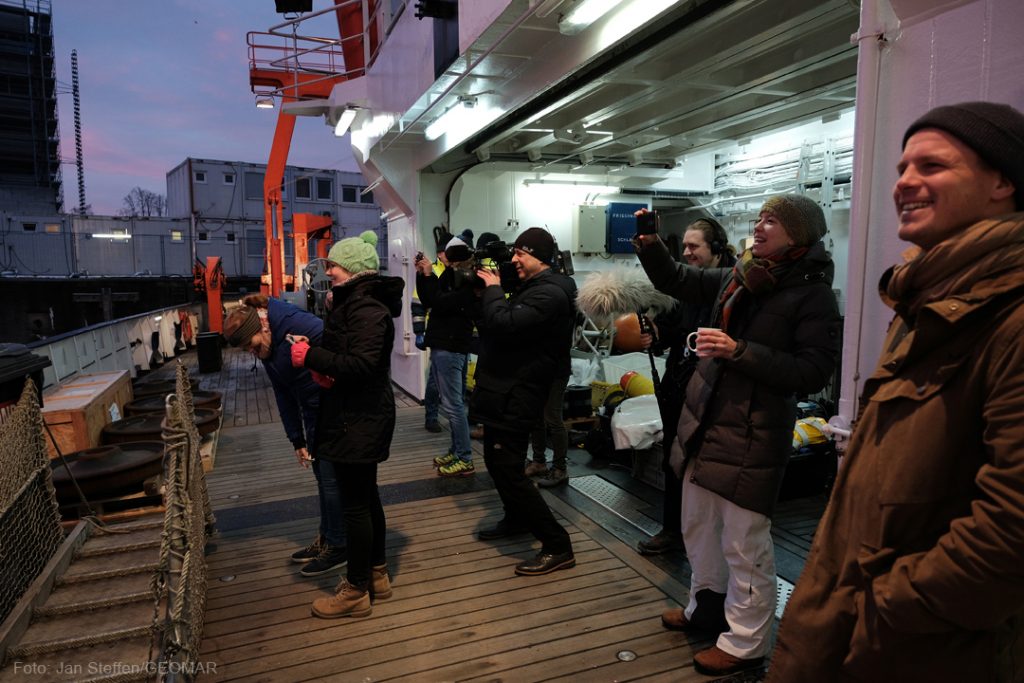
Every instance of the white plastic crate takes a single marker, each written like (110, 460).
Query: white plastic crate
(616, 366)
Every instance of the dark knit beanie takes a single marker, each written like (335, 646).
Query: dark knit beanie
(802, 218)
(486, 238)
(538, 243)
(457, 251)
(994, 131)
(242, 325)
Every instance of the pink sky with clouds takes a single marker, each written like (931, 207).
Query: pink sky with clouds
(163, 80)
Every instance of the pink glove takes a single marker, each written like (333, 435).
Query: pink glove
(299, 351)
(326, 381)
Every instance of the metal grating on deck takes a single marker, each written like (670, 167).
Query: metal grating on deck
(617, 501)
(783, 589)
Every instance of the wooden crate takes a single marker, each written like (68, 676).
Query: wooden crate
(77, 411)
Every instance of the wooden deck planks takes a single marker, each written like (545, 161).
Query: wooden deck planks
(458, 610)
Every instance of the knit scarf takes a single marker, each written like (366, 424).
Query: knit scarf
(757, 276)
(985, 251)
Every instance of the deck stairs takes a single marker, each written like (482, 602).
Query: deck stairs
(90, 615)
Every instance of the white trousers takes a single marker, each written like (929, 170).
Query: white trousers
(730, 551)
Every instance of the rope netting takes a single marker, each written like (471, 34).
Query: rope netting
(179, 585)
(30, 530)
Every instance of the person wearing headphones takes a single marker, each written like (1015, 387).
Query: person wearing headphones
(705, 245)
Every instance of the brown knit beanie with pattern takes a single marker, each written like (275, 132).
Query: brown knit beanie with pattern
(802, 218)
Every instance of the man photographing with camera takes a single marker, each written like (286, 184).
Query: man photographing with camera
(524, 342)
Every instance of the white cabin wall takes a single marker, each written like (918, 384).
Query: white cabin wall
(475, 17)
(959, 51)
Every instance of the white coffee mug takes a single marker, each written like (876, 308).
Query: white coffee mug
(691, 339)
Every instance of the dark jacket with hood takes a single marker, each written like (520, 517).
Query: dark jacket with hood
(297, 395)
(357, 414)
(452, 303)
(524, 345)
(737, 419)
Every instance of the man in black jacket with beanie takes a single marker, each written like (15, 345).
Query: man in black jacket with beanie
(523, 341)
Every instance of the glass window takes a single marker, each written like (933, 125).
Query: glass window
(52, 228)
(204, 236)
(200, 176)
(303, 189)
(28, 227)
(289, 245)
(367, 198)
(253, 185)
(229, 178)
(349, 193)
(324, 188)
(229, 236)
(176, 236)
(254, 243)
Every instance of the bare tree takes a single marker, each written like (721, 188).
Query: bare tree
(143, 203)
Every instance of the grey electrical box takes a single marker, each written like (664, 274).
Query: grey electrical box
(589, 225)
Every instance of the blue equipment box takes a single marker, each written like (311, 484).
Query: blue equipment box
(621, 226)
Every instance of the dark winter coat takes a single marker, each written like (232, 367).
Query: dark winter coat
(524, 343)
(917, 568)
(357, 414)
(737, 420)
(453, 305)
(297, 395)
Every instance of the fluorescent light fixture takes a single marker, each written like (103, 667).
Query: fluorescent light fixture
(583, 13)
(459, 115)
(264, 102)
(344, 121)
(583, 185)
(112, 235)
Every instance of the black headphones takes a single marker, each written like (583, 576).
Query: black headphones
(717, 246)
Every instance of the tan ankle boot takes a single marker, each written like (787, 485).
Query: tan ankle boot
(380, 584)
(349, 601)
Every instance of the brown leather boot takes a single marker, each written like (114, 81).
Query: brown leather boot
(715, 662)
(348, 601)
(675, 620)
(380, 583)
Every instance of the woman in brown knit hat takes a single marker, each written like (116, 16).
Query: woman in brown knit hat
(775, 336)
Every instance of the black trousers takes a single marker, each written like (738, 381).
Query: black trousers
(365, 525)
(504, 455)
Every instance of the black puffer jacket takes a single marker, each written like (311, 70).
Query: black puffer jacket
(524, 344)
(357, 414)
(453, 305)
(737, 420)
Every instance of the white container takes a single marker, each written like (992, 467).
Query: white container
(617, 366)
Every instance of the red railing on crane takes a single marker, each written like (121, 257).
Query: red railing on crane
(307, 69)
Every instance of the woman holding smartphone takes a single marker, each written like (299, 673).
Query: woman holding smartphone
(773, 335)
(357, 413)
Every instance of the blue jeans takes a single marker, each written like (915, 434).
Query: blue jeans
(448, 369)
(431, 400)
(332, 525)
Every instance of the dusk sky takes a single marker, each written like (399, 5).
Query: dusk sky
(163, 80)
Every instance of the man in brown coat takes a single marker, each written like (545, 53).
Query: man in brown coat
(917, 568)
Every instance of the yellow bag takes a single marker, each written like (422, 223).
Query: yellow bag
(809, 431)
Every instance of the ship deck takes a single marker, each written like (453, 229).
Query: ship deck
(458, 611)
